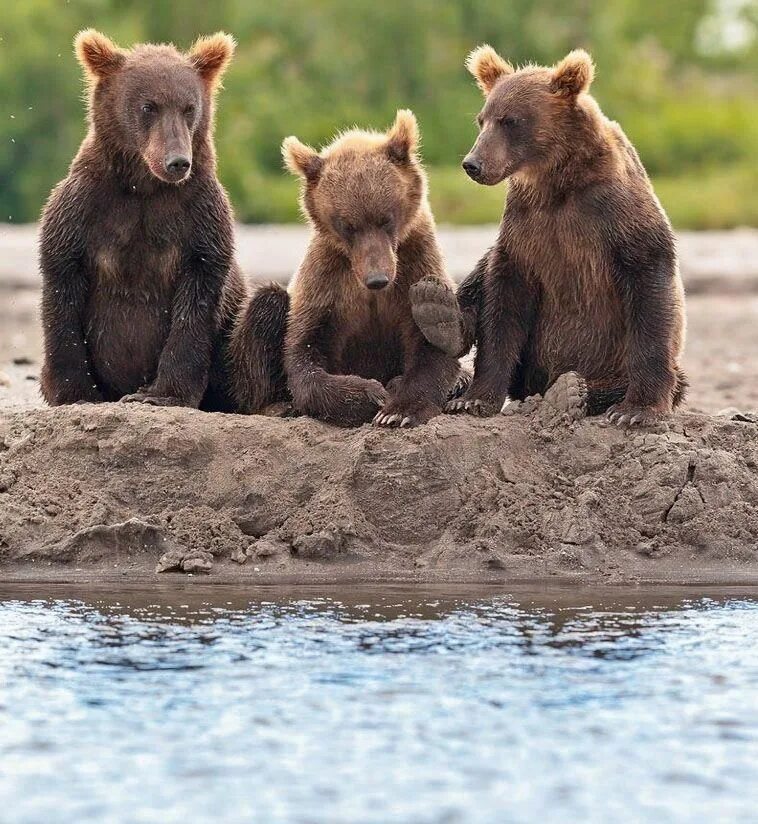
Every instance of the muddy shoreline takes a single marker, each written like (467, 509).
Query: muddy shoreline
(115, 493)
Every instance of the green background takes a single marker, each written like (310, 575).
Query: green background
(679, 76)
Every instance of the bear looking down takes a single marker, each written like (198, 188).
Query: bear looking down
(583, 276)
(352, 351)
(140, 289)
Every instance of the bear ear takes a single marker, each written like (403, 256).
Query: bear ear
(301, 160)
(573, 74)
(402, 138)
(488, 67)
(211, 55)
(97, 54)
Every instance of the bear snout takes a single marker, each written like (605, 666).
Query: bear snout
(472, 166)
(177, 166)
(376, 280)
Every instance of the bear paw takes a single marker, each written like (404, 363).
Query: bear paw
(478, 407)
(623, 414)
(154, 400)
(568, 396)
(405, 415)
(435, 309)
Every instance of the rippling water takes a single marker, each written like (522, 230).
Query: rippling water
(369, 707)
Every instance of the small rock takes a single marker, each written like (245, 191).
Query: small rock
(7, 479)
(319, 546)
(239, 556)
(266, 548)
(198, 563)
(184, 560)
(686, 506)
(4, 379)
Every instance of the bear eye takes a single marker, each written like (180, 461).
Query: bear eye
(189, 110)
(343, 228)
(387, 225)
(148, 108)
(510, 122)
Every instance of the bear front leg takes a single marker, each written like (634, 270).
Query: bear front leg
(507, 314)
(448, 319)
(184, 365)
(654, 320)
(418, 395)
(67, 376)
(342, 400)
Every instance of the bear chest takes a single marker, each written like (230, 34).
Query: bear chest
(135, 252)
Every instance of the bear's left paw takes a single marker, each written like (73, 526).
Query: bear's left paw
(621, 414)
(405, 415)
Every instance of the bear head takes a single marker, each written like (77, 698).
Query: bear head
(362, 194)
(529, 116)
(153, 102)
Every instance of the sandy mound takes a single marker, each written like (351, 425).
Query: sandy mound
(92, 492)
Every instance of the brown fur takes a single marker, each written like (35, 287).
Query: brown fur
(350, 350)
(584, 275)
(139, 284)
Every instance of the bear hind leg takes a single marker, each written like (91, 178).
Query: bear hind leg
(259, 382)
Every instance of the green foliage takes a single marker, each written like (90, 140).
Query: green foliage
(683, 93)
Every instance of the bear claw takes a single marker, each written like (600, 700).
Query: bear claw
(640, 416)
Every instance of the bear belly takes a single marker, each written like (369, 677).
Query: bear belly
(586, 335)
(125, 339)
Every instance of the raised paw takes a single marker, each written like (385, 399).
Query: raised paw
(622, 415)
(435, 309)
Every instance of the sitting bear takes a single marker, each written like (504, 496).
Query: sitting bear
(140, 289)
(583, 276)
(352, 351)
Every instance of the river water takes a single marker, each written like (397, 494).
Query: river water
(378, 705)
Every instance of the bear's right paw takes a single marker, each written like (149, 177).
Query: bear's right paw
(434, 307)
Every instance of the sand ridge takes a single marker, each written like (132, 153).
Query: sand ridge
(89, 492)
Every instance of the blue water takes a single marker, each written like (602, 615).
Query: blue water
(368, 707)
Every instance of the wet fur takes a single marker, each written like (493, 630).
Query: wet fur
(140, 289)
(350, 351)
(583, 276)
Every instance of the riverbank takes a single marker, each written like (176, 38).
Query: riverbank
(127, 493)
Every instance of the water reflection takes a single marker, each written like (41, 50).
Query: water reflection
(378, 705)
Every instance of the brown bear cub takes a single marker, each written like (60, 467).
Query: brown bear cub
(140, 289)
(583, 277)
(352, 351)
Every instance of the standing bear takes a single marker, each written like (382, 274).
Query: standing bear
(583, 278)
(352, 351)
(140, 289)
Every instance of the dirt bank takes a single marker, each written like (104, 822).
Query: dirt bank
(93, 492)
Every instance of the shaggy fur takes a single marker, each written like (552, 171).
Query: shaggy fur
(353, 352)
(583, 276)
(139, 284)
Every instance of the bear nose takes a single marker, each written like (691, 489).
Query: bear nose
(472, 167)
(177, 165)
(376, 280)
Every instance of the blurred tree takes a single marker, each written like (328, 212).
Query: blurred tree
(680, 77)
